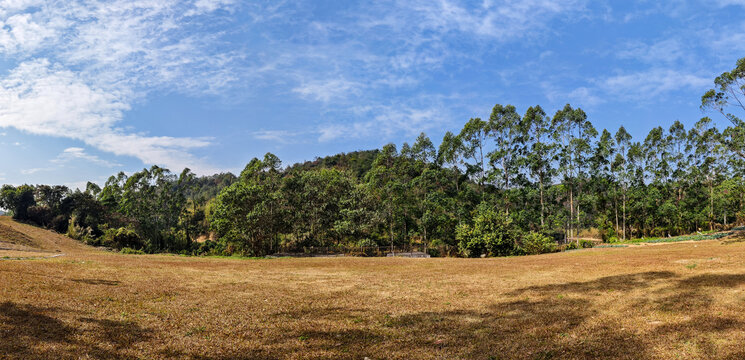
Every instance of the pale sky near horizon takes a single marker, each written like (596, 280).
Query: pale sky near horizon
(90, 88)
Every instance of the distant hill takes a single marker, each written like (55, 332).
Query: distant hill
(357, 162)
(207, 187)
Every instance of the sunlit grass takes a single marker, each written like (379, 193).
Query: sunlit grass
(680, 300)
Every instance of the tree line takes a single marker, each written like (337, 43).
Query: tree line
(515, 183)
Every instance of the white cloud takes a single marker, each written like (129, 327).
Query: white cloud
(20, 33)
(651, 83)
(205, 6)
(583, 96)
(730, 2)
(663, 51)
(326, 91)
(376, 55)
(81, 66)
(386, 121)
(642, 86)
(74, 153)
(277, 136)
(503, 20)
(36, 170)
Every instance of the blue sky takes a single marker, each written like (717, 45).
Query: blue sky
(89, 88)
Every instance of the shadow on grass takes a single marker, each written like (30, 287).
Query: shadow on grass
(30, 332)
(566, 320)
(96, 282)
(557, 321)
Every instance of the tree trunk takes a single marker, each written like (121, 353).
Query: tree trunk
(579, 193)
(711, 205)
(571, 211)
(615, 207)
(540, 181)
(624, 214)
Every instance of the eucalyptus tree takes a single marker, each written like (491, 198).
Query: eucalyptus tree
(541, 152)
(582, 147)
(679, 158)
(423, 150)
(387, 188)
(473, 137)
(729, 92)
(574, 134)
(111, 194)
(705, 139)
(450, 153)
(424, 153)
(656, 148)
(620, 169)
(504, 126)
(602, 179)
(249, 213)
(153, 199)
(563, 135)
(635, 160)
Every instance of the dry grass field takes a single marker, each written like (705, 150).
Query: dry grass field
(671, 301)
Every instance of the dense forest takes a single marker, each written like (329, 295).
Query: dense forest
(515, 183)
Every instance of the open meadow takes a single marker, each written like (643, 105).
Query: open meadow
(668, 301)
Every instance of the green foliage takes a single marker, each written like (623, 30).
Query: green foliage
(534, 243)
(121, 238)
(78, 232)
(17, 200)
(586, 244)
(492, 234)
(130, 251)
(507, 186)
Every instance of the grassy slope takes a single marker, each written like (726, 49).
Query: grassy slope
(681, 300)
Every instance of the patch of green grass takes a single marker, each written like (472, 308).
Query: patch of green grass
(691, 266)
(692, 237)
(196, 330)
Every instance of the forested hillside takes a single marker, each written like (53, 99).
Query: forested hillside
(509, 184)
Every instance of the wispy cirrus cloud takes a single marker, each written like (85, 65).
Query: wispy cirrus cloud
(77, 153)
(67, 156)
(382, 55)
(81, 65)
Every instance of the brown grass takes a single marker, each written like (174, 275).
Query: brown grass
(629, 303)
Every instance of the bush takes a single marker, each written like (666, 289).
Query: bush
(121, 238)
(492, 234)
(40, 215)
(59, 224)
(367, 243)
(586, 244)
(130, 251)
(534, 243)
(434, 248)
(78, 232)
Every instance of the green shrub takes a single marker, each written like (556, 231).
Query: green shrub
(586, 244)
(121, 238)
(536, 243)
(131, 251)
(492, 234)
(78, 232)
(366, 242)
